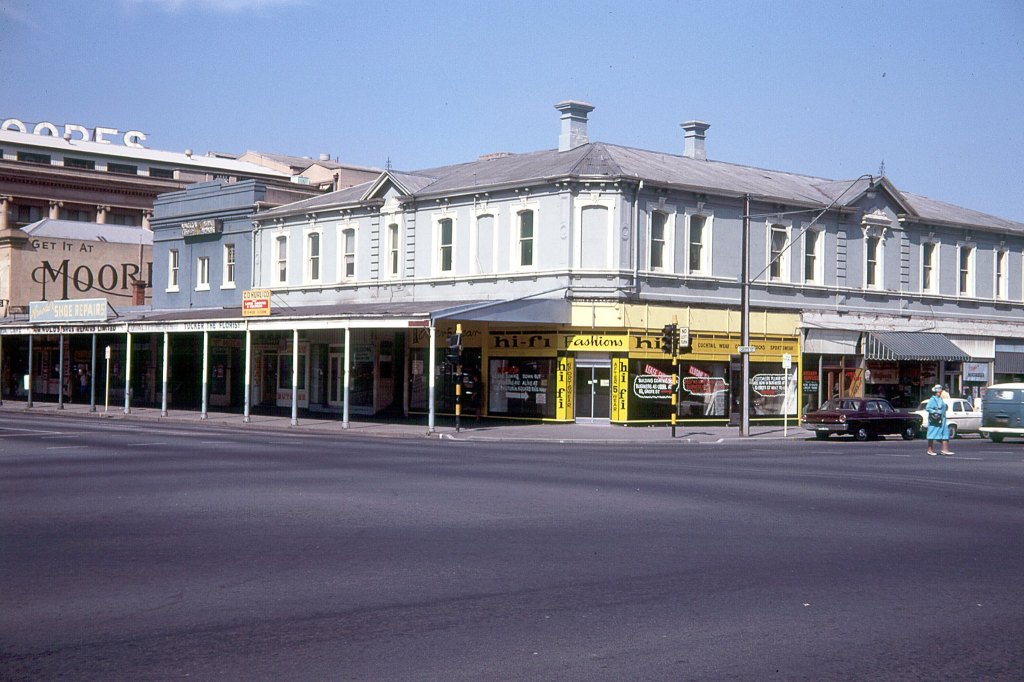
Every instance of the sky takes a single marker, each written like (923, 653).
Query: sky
(933, 91)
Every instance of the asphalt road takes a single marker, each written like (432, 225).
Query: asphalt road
(145, 551)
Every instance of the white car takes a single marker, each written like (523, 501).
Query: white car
(960, 415)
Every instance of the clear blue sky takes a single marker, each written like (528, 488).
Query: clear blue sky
(829, 88)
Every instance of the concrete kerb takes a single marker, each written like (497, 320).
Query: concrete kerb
(488, 432)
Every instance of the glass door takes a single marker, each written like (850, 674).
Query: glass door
(593, 393)
(335, 379)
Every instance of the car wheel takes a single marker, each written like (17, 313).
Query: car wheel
(821, 435)
(861, 434)
(952, 431)
(996, 437)
(909, 433)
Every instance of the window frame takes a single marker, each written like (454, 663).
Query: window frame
(173, 270)
(313, 271)
(966, 278)
(657, 245)
(229, 263)
(280, 263)
(817, 276)
(874, 267)
(394, 262)
(522, 241)
(785, 273)
(202, 273)
(347, 255)
(1001, 274)
(704, 265)
(931, 266)
(444, 250)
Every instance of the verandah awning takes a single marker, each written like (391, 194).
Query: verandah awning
(895, 346)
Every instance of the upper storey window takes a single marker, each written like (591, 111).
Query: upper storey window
(812, 257)
(526, 239)
(872, 262)
(657, 246)
(281, 259)
(965, 280)
(445, 245)
(778, 253)
(929, 265)
(698, 245)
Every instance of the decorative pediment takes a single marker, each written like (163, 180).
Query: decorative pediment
(876, 224)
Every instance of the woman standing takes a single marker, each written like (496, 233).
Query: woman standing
(938, 429)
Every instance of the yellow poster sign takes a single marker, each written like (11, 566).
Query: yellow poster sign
(565, 410)
(620, 389)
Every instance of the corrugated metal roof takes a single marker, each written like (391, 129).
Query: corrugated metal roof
(598, 159)
(895, 346)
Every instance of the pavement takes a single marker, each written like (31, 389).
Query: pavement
(482, 430)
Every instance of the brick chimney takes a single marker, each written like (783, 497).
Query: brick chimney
(693, 146)
(138, 292)
(574, 124)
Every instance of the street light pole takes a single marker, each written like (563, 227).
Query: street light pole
(745, 280)
(745, 320)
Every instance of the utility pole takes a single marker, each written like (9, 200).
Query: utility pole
(745, 320)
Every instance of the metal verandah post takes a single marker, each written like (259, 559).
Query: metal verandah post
(28, 389)
(345, 379)
(295, 377)
(60, 372)
(206, 370)
(166, 363)
(745, 319)
(128, 373)
(432, 358)
(247, 401)
(92, 376)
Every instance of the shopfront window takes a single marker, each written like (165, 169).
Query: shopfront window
(522, 387)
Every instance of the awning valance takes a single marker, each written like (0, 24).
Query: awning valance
(1009, 363)
(894, 346)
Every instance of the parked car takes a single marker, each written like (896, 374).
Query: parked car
(861, 418)
(961, 416)
(1002, 412)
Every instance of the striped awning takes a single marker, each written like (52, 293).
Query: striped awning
(1009, 363)
(894, 346)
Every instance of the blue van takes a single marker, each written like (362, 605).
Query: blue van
(1002, 412)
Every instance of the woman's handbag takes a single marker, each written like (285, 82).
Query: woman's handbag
(934, 419)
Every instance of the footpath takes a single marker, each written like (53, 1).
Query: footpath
(415, 427)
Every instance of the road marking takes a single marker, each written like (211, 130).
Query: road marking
(140, 445)
(65, 447)
(65, 435)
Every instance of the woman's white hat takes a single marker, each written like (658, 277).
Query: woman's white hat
(937, 388)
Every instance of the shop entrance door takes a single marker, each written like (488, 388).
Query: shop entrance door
(335, 379)
(593, 391)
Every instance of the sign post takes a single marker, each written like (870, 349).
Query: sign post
(787, 362)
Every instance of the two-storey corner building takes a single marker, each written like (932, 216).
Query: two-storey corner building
(562, 266)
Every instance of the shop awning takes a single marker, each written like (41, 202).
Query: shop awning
(895, 346)
(1009, 363)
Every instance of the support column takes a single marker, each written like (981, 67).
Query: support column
(2, 387)
(101, 214)
(206, 370)
(295, 377)
(345, 384)
(432, 365)
(60, 373)
(128, 373)
(92, 376)
(5, 206)
(163, 385)
(29, 391)
(55, 207)
(248, 375)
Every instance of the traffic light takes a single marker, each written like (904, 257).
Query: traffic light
(453, 354)
(669, 339)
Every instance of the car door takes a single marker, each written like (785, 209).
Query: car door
(874, 421)
(893, 423)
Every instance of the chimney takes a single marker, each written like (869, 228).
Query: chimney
(693, 146)
(325, 157)
(138, 292)
(574, 124)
